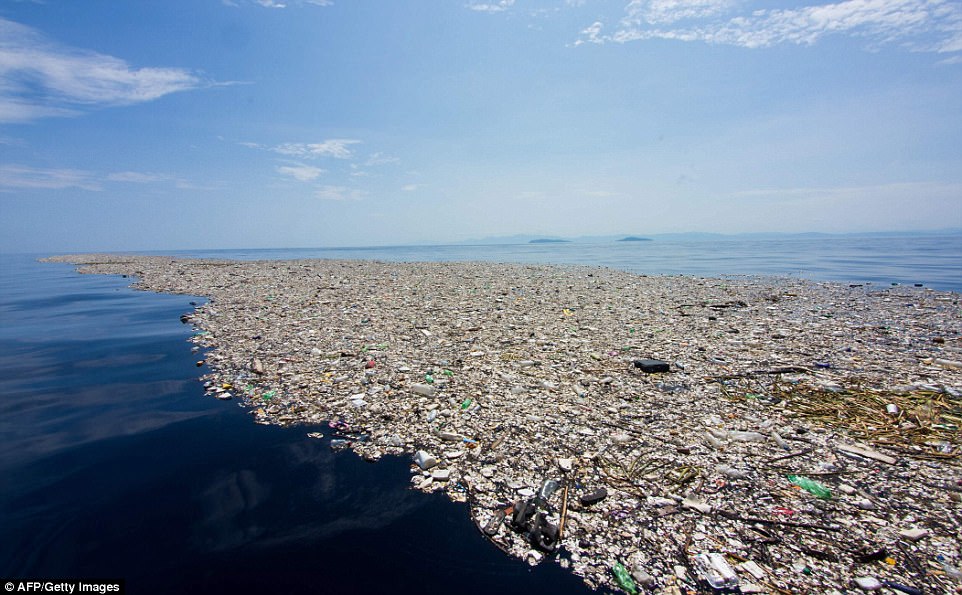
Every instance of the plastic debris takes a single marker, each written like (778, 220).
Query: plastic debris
(868, 583)
(811, 486)
(623, 579)
(339, 443)
(424, 389)
(424, 460)
(913, 534)
(493, 525)
(716, 571)
(651, 366)
(593, 497)
(903, 588)
(768, 378)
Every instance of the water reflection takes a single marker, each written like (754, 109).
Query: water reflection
(322, 498)
(115, 464)
(228, 505)
(39, 423)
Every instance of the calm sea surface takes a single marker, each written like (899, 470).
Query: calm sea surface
(935, 261)
(114, 464)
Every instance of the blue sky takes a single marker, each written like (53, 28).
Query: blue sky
(269, 123)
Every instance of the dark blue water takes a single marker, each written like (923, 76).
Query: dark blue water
(113, 464)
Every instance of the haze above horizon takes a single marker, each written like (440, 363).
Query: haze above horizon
(269, 123)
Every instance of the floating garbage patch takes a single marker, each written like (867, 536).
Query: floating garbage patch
(652, 434)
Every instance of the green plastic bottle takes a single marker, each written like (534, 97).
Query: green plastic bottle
(810, 485)
(624, 579)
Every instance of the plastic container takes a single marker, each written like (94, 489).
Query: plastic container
(340, 444)
(424, 460)
(715, 569)
(741, 436)
(549, 487)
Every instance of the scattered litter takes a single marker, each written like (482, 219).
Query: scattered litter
(811, 486)
(594, 497)
(866, 452)
(716, 571)
(424, 460)
(868, 583)
(651, 366)
(493, 378)
(623, 579)
(914, 534)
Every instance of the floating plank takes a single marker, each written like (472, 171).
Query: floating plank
(866, 452)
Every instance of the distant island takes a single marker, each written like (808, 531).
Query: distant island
(699, 236)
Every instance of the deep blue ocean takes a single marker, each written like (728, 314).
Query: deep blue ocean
(114, 464)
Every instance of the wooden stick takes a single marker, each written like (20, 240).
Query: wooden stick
(754, 373)
(790, 455)
(564, 512)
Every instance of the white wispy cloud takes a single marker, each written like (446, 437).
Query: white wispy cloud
(40, 78)
(275, 4)
(531, 195)
(410, 187)
(380, 159)
(26, 177)
(339, 193)
(592, 34)
(904, 190)
(336, 147)
(137, 177)
(602, 193)
(359, 169)
(501, 6)
(919, 25)
(31, 178)
(670, 11)
(303, 173)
